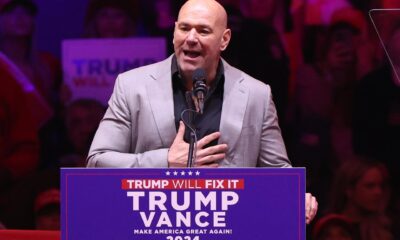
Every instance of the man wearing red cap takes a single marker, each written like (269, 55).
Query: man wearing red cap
(18, 128)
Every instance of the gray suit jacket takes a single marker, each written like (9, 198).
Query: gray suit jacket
(139, 126)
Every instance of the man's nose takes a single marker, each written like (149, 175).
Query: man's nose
(192, 36)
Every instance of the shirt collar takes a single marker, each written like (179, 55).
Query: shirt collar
(176, 74)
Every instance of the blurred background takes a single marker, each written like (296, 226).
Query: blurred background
(333, 67)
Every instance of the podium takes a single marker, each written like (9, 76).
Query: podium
(183, 204)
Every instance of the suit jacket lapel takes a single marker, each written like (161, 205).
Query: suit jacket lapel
(234, 106)
(161, 101)
(162, 104)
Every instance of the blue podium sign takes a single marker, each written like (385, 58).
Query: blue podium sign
(183, 204)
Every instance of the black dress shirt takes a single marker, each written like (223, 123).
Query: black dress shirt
(209, 121)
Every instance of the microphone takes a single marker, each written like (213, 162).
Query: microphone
(199, 87)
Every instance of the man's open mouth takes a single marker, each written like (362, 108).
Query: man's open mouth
(191, 54)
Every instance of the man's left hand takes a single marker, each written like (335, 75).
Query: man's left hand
(311, 207)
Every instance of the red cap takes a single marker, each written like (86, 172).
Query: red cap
(47, 197)
(331, 219)
(351, 16)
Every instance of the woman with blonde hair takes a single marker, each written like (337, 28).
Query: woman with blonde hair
(361, 193)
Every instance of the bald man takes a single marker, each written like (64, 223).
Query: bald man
(239, 127)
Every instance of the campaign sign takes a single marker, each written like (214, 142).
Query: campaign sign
(90, 66)
(183, 204)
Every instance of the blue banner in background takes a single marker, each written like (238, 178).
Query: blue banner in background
(183, 204)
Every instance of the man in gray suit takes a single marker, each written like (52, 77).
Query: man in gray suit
(239, 127)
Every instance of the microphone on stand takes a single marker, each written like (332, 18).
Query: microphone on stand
(199, 92)
(199, 87)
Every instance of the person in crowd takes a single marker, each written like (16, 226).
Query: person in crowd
(320, 116)
(313, 17)
(105, 19)
(368, 48)
(68, 146)
(82, 119)
(17, 27)
(361, 193)
(23, 112)
(19, 142)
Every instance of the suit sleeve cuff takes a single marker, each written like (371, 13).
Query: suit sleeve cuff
(154, 159)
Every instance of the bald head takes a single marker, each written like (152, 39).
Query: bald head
(200, 36)
(212, 6)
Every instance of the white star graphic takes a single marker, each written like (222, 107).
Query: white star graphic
(183, 173)
(197, 173)
(175, 173)
(168, 173)
(190, 173)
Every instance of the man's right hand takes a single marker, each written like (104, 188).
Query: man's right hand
(205, 157)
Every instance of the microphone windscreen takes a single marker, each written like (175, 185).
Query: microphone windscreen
(199, 75)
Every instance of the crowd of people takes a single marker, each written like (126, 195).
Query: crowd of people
(335, 82)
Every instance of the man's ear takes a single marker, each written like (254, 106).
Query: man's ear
(226, 38)
(173, 38)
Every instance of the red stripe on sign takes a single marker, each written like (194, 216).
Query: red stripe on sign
(187, 184)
